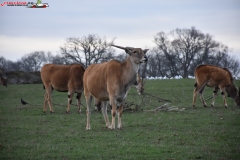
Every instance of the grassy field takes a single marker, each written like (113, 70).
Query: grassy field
(201, 133)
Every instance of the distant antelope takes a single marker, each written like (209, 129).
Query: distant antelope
(3, 78)
(110, 81)
(63, 78)
(213, 76)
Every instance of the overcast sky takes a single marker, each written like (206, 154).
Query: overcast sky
(132, 22)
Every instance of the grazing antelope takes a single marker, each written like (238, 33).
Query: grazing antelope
(3, 78)
(213, 76)
(63, 78)
(110, 81)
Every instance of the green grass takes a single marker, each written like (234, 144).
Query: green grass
(202, 133)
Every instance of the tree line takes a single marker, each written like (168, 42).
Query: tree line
(176, 53)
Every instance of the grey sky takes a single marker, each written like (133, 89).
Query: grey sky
(131, 22)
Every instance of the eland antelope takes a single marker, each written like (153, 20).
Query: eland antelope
(213, 76)
(63, 78)
(3, 78)
(110, 81)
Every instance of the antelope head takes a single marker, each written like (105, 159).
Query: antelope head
(237, 99)
(234, 93)
(137, 55)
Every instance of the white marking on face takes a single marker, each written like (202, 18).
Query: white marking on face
(143, 60)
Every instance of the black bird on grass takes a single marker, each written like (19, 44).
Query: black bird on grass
(23, 102)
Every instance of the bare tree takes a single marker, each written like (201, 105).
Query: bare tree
(232, 64)
(58, 59)
(108, 56)
(3, 63)
(152, 68)
(17, 66)
(55, 59)
(6, 65)
(33, 61)
(121, 57)
(166, 50)
(86, 50)
(189, 48)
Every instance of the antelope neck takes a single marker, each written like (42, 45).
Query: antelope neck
(130, 70)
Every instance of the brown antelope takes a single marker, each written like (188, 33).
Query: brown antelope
(63, 78)
(3, 78)
(110, 81)
(213, 76)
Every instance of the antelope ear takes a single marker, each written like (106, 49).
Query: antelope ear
(128, 50)
(145, 51)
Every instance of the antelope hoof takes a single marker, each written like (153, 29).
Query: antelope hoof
(212, 105)
(120, 128)
(79, 112)
(111, 127)
(44, 111)
(226, 107)
(87, 128)
(108, 125)
(52, 112)
(205, 105)
(67, 112)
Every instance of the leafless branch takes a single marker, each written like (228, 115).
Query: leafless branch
(175, 96)
(165, 107)
(159, 99)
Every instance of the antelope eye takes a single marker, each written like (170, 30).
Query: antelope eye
(134, 52)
